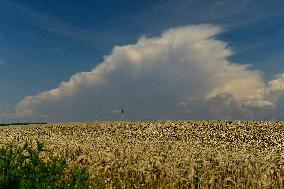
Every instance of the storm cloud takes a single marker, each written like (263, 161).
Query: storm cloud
(182, 74)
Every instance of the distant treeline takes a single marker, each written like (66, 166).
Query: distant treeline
(10, 124)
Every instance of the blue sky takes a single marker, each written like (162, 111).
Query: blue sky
(43, 43)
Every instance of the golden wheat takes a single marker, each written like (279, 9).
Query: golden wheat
(167, 154)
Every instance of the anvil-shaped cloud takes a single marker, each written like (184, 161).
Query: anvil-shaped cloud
(183, 74)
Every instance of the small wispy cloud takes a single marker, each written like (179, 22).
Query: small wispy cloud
(54, 24)
(1, 62)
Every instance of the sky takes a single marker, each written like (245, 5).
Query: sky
(156, 59)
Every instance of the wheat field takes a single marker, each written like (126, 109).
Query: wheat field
(166, 154)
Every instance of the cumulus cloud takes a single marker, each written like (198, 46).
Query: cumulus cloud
(277, 84)
(259, 104)
(182, 74)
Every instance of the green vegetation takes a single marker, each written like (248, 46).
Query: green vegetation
(10, 124)
(25, 167)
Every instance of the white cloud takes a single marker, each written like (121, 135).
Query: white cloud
(259, 104)
(276, 84)
(1, 62)
(183, 74)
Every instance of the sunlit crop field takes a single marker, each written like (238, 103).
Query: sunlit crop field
(167, 154)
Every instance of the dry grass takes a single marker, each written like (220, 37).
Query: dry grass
(167, 154)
